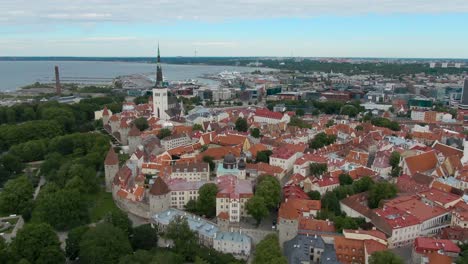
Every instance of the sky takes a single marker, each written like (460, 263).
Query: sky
(306, 28)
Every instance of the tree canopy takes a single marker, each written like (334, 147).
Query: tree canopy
(381, 191)
(321, 139)
(206, 202)
(141, 123)
(63, 209)
(16, 195)
(263, 156)
(241, 125)
(269, 251)
(37, 243)
(256, 207)
(72, 246)
(255, 132)
(104, 243)
(185, 240)
(165, 132)
(269, 189)
(144, 237)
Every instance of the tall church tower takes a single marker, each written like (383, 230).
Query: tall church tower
(159, 75)
(160, 94)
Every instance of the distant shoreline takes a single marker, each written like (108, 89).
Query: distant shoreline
(203, 60)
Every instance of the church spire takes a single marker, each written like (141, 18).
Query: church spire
(159, 75)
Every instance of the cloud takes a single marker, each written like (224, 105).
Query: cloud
(45, 11)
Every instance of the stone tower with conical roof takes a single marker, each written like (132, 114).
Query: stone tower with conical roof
(159, 197)
(105, 116)
(111, 167)
(134, 139)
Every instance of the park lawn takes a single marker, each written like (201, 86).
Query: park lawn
(101, 204)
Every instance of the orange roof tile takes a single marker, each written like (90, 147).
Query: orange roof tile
(421, 163)
(294, 208)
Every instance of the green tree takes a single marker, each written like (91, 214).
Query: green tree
(12, 163)
(63, 209)
(299, 112)
(141, 100)
(141, 123)
(120, 220)
(185, 240)
(104, 243)
(197, 127)
(385, 257)
(269, 189)
(349, 110)
(16, 195)
(359, 128)
(256, 208)
(191, 206)
(321, 139)
(330, 123)
(363, 184)
(394, 159)
(206, 203)
(269, 251)
(241, 124)
(255, 132)
(199, 260)
(263, 156)
(210, 161)
(317, 169)
(331, 203)
(314, 195)
(72, 247)
(345, 222)
(37, 243)
(345, 179)
(144, 237)
(165, 132)
(381, 191)
(167, 256)
(138, 257)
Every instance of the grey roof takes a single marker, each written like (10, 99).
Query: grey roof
(297, 249)
(329, 255)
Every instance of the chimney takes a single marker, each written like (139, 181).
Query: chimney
(58, 87)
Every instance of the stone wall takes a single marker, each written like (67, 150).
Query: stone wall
(137, 208)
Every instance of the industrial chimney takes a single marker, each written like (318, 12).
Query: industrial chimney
(58, 87)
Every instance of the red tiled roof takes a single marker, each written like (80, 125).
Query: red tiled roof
(414, 206)
(283, 153)
(262, 112)
(159, 187)
(422, 244)
(396, 218)
(105, 112)
(422, 162)
(438, 196)
(372, 246)
(294, 208)
(134, 132)
(294, 192)
(447, 150)
(223, 215)
(309, 224)
(111, 158)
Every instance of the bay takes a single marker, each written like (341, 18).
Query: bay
(15, 74)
